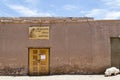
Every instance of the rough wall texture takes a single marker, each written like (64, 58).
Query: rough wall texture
(76, 47)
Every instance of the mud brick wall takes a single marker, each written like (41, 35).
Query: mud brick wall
(75, 47)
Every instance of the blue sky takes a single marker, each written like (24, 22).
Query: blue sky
(99, 9)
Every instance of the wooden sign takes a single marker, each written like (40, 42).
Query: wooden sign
(39, 33)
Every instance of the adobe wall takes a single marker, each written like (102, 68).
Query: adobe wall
(76, 47)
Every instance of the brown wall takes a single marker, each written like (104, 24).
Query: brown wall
(82, 47)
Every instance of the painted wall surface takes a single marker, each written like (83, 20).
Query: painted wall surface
(82, 48)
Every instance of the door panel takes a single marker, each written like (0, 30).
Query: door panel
(115, 52)
(38, 61)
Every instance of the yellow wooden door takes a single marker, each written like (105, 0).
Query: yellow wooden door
(38, 61)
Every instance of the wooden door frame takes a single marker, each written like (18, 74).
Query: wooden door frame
(29, 58)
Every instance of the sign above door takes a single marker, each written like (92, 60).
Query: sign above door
(39, 32)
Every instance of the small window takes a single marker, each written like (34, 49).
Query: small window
(43, 57)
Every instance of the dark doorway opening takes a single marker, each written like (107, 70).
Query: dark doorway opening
(115, 52)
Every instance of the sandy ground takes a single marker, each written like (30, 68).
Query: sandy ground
(61, 77)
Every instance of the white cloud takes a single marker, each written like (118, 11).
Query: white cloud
(24, 11)
(111, 10)
(112, 15)
(103, 14)
(95, 12)
(112, 3)
(70, 7)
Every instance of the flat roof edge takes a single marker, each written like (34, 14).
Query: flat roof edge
(43, 19)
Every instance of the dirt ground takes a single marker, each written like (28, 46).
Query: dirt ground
(61, 77)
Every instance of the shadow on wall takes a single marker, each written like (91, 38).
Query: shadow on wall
(73, 69)
(13, 71)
